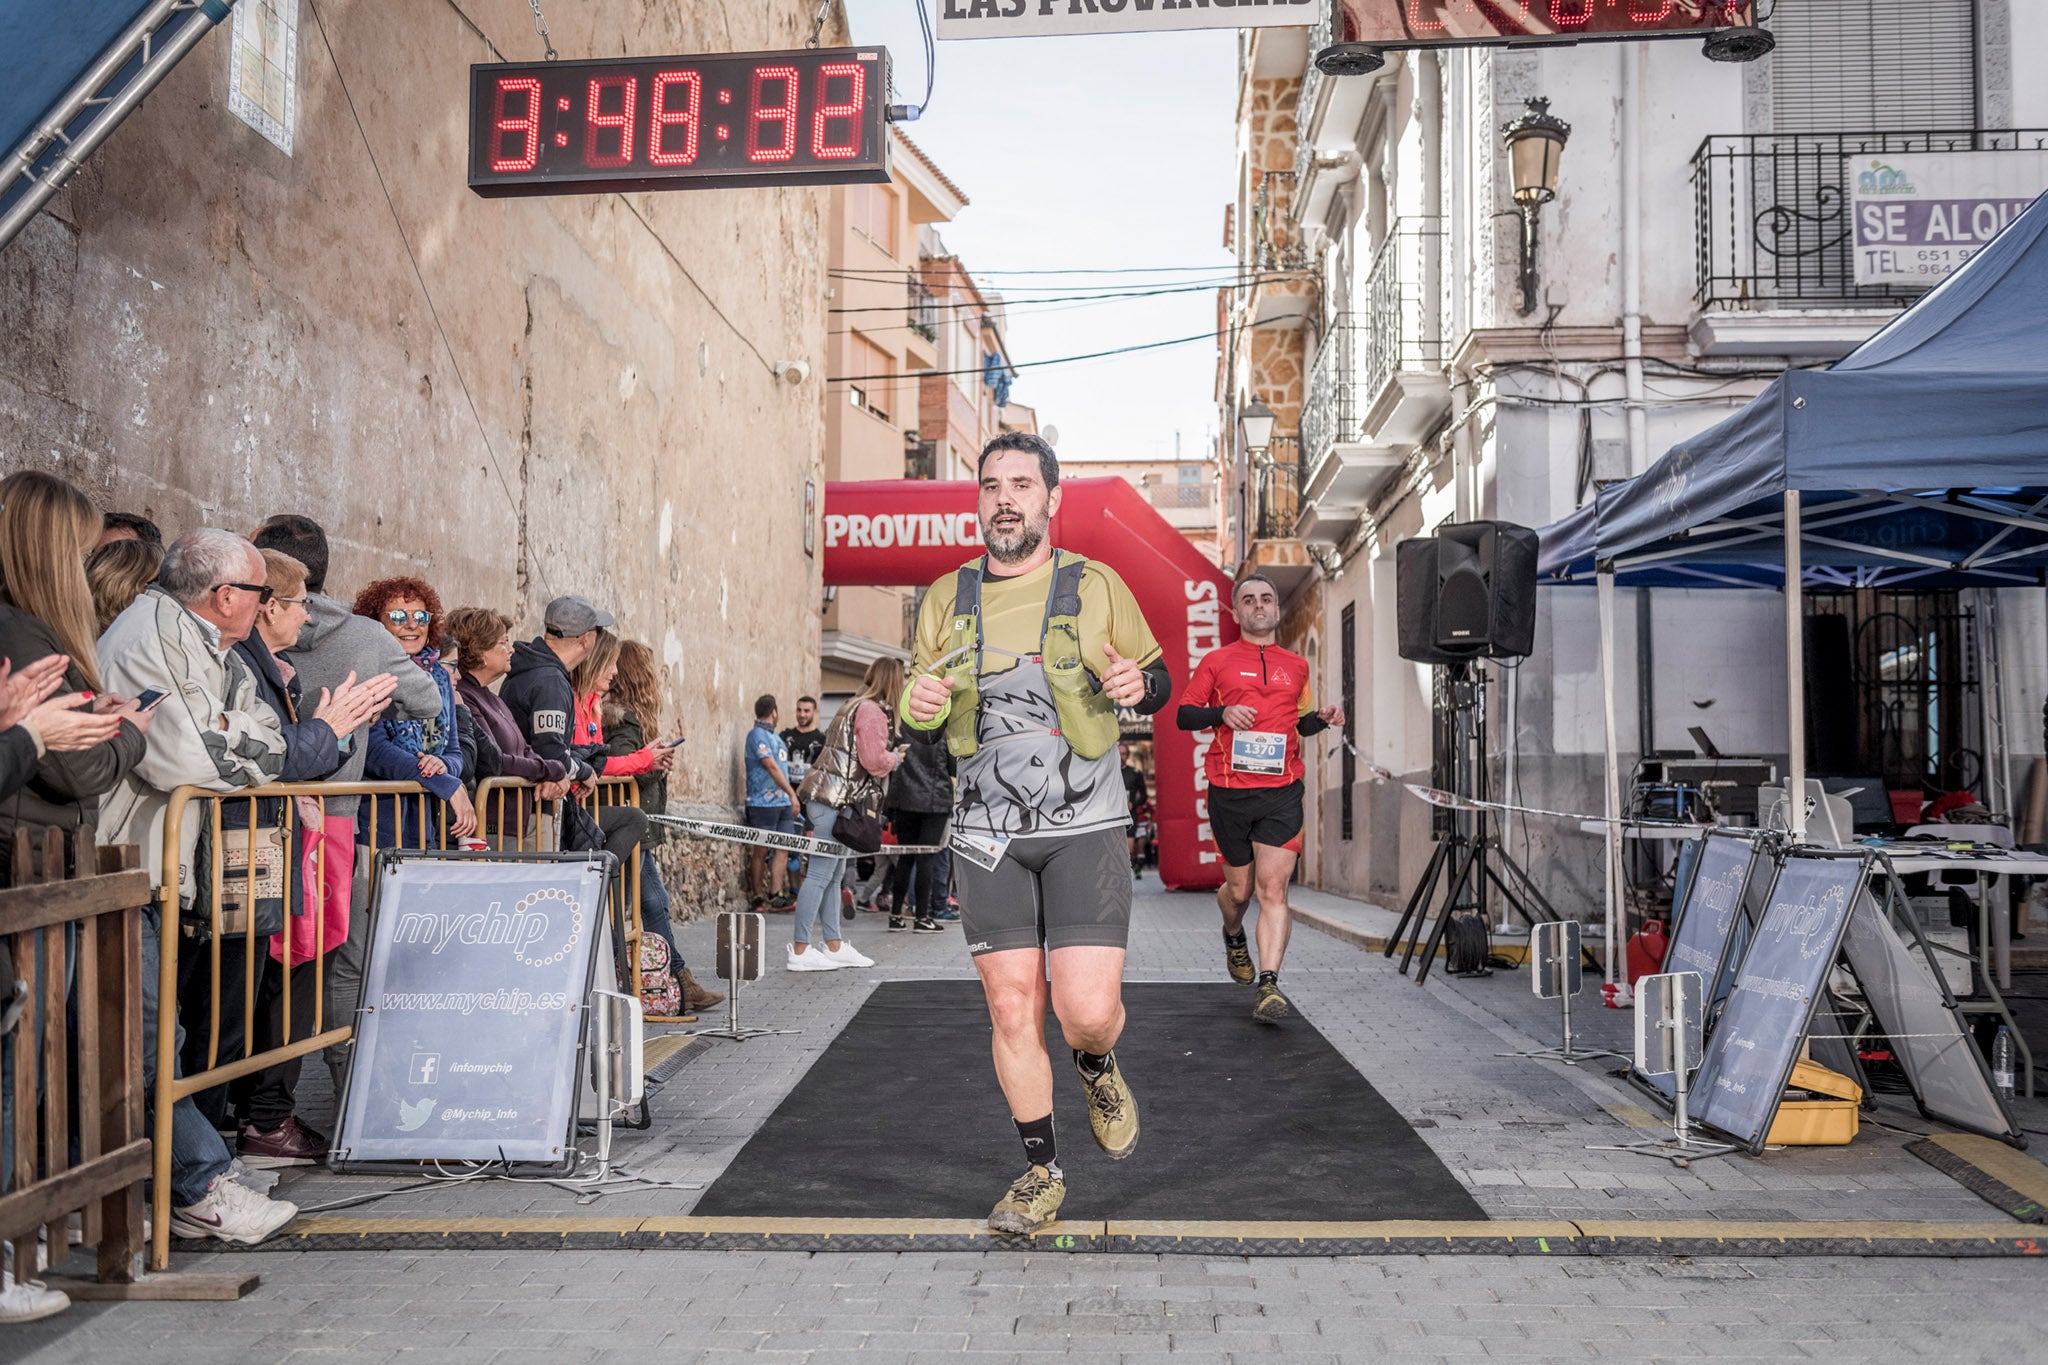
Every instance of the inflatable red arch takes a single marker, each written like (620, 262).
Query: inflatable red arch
(895, 533)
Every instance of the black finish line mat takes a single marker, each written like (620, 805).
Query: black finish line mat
(901, 1117)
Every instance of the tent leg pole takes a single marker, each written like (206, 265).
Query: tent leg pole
(1795, 674)
(1612, 794)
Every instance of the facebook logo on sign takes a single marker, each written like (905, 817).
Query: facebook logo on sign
(426, 1068)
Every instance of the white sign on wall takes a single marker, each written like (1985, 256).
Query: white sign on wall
(1047, 18)
(1919, 215)
(263, 68)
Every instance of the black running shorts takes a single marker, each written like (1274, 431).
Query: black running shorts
(1066, 891)
(1242, 816)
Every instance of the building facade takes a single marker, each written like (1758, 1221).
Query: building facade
(1182, 491)
(886, 332)
(1429, 363)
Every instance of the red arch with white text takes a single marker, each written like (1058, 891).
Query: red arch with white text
(911, 532)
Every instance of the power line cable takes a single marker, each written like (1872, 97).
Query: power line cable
(1216, 268)
(1015, 365)
(1107, 297)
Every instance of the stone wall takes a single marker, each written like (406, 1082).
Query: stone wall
(514, 398)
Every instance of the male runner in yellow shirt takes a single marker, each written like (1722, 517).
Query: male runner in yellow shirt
(1020, 662)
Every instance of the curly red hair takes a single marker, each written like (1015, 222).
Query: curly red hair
(372, 601)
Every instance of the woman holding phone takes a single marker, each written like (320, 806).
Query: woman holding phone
(47, 529)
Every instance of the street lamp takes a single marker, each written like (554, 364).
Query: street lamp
(1535, 144)
(1255, 427)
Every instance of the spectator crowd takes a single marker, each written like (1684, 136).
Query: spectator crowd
(130, 669)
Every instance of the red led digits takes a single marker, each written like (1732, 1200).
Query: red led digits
(528, 127)
(1418, 24)
(687, 118)
(783, 113)
(594, 119)
(822, 147)
(1649, 11)
(1571, 13)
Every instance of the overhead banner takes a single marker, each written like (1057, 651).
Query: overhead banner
(1920, 215)
(1053, 18)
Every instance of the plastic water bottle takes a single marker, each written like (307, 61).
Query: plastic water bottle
(2001, 1062)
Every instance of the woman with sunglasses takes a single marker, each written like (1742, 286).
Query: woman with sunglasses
(428, 752)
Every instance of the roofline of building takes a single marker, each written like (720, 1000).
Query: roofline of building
(947, 193)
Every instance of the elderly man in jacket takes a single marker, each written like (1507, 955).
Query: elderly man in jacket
(211, 731)
(334, 643)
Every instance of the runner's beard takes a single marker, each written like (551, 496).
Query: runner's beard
(1010, 547)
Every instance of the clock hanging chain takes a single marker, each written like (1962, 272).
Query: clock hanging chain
(540, 26)
(818, 22)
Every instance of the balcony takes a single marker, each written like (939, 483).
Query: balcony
(1400, 357)
(1274, 494)
(1339, 469)
(1775, 246)
(924, 311)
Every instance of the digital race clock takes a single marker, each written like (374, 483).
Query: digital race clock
(1445, 23)
(814, 116)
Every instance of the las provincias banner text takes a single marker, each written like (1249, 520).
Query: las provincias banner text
(1051, 18)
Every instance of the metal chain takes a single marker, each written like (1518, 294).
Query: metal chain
(818, 22)
(540, 26)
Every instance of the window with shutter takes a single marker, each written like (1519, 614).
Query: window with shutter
(1874, 66)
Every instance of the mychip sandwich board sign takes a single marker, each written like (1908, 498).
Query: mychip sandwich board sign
(1051, 18)
(470, 1037)
(1711, 929)
(1750, 1056)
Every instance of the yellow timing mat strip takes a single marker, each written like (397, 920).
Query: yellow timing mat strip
(1567, 1237)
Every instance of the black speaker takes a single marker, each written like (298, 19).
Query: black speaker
(1415, 590)
(1467, 592)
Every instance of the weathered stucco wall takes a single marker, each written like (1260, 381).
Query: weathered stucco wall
(209, 331)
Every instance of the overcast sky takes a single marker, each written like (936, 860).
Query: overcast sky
(1087, 153)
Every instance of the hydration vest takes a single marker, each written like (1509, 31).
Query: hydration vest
(1087, 717)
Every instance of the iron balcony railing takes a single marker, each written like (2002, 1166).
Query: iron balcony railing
(1276, 239)
(1329, 413)
(1396, 332)
(924, 311)
(1311, 85)
(1276, 490)
(1771, 221)
(1401, 331)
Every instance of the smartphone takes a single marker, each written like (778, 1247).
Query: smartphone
(675, 743)
(149, 698)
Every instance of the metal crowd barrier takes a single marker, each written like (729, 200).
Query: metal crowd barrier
(510, 817)
(76, 939)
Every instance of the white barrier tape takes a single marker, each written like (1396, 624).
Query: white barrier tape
(794, 843)
(1437, 796)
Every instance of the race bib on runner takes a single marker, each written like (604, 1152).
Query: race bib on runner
(983, 850)
(1258, 751)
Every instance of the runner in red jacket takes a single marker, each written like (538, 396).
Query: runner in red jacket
(1255, 696)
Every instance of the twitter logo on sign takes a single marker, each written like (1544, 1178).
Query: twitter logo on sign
(412, 1116)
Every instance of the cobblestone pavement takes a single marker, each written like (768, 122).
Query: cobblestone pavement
(1514, 1130)
(453, 1308)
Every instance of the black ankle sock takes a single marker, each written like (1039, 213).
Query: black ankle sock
(1235, 940)
(1266, 978)
(1092, 1064)
(1041, 1148)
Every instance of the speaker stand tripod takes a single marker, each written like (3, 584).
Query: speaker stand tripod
(1469, 856)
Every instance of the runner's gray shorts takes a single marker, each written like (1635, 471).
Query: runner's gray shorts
(1066, 891)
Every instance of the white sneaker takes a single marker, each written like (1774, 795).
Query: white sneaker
(29, 1300)
(232, 1212)
(849, 956)
(812, 959)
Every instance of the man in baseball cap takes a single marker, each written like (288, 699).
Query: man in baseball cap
(572, 619)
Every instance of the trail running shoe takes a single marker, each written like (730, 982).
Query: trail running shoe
(1112, 1111)
(1272, 1006)
(1238, 958)
(1030, 1203)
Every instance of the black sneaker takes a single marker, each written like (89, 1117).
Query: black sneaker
(897, 924)
(927, 926)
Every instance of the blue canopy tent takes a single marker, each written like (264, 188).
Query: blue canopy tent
(1920, 459)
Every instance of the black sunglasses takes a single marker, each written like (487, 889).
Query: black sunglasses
(263, 594)
(398, 618)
